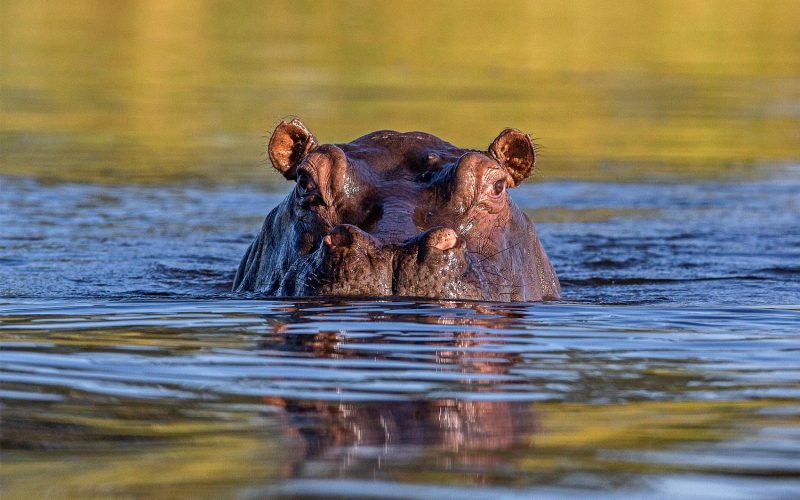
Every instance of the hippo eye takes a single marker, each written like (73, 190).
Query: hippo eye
(499, 187)
(304, 180)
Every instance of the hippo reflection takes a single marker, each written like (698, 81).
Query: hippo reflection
(362, 438)
(395, 213)
(359, 438)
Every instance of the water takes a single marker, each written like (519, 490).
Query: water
(699, 243)
(260, 397)
(164, 90)
(128, 368)
(132, 179)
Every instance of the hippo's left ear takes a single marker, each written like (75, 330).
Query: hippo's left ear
(289, 144)
(514, 151)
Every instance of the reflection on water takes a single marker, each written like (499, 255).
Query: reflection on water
(155, 91)
(253, 397)
(129, 369)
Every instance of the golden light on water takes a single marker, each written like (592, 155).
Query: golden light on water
(177, 90)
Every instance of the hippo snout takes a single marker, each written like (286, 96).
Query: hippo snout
(436, 264)
(350, 261)
(349, 237)
(439, 249)
(442, 238)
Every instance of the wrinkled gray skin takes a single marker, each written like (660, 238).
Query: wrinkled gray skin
(403, 214)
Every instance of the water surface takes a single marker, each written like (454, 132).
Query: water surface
(304, 398)
(670, 368)
(132, 178)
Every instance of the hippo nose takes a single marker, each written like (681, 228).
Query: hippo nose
(338, 237)
(346, 235)
(442, 238)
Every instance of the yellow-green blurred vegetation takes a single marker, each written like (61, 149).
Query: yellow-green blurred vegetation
(178, 90)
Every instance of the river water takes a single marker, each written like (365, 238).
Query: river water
(132, 180)
(670, 367)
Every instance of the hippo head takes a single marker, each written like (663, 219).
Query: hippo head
(395, 213)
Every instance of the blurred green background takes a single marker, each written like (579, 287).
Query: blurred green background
(160, 91)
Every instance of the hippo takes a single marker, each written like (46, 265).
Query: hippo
(399, 214)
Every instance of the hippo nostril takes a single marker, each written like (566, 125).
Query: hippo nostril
(442, 238)
(312, 199)
(339, 237)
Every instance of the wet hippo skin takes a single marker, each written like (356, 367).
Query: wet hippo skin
(394, 213)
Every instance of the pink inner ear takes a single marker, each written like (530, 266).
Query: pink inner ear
(289, 144)
(514, 151)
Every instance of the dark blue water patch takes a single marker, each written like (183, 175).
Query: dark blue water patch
(701, 243)
(396, 350)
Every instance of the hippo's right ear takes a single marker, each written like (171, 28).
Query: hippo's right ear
(289, 144)
(515, 152)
